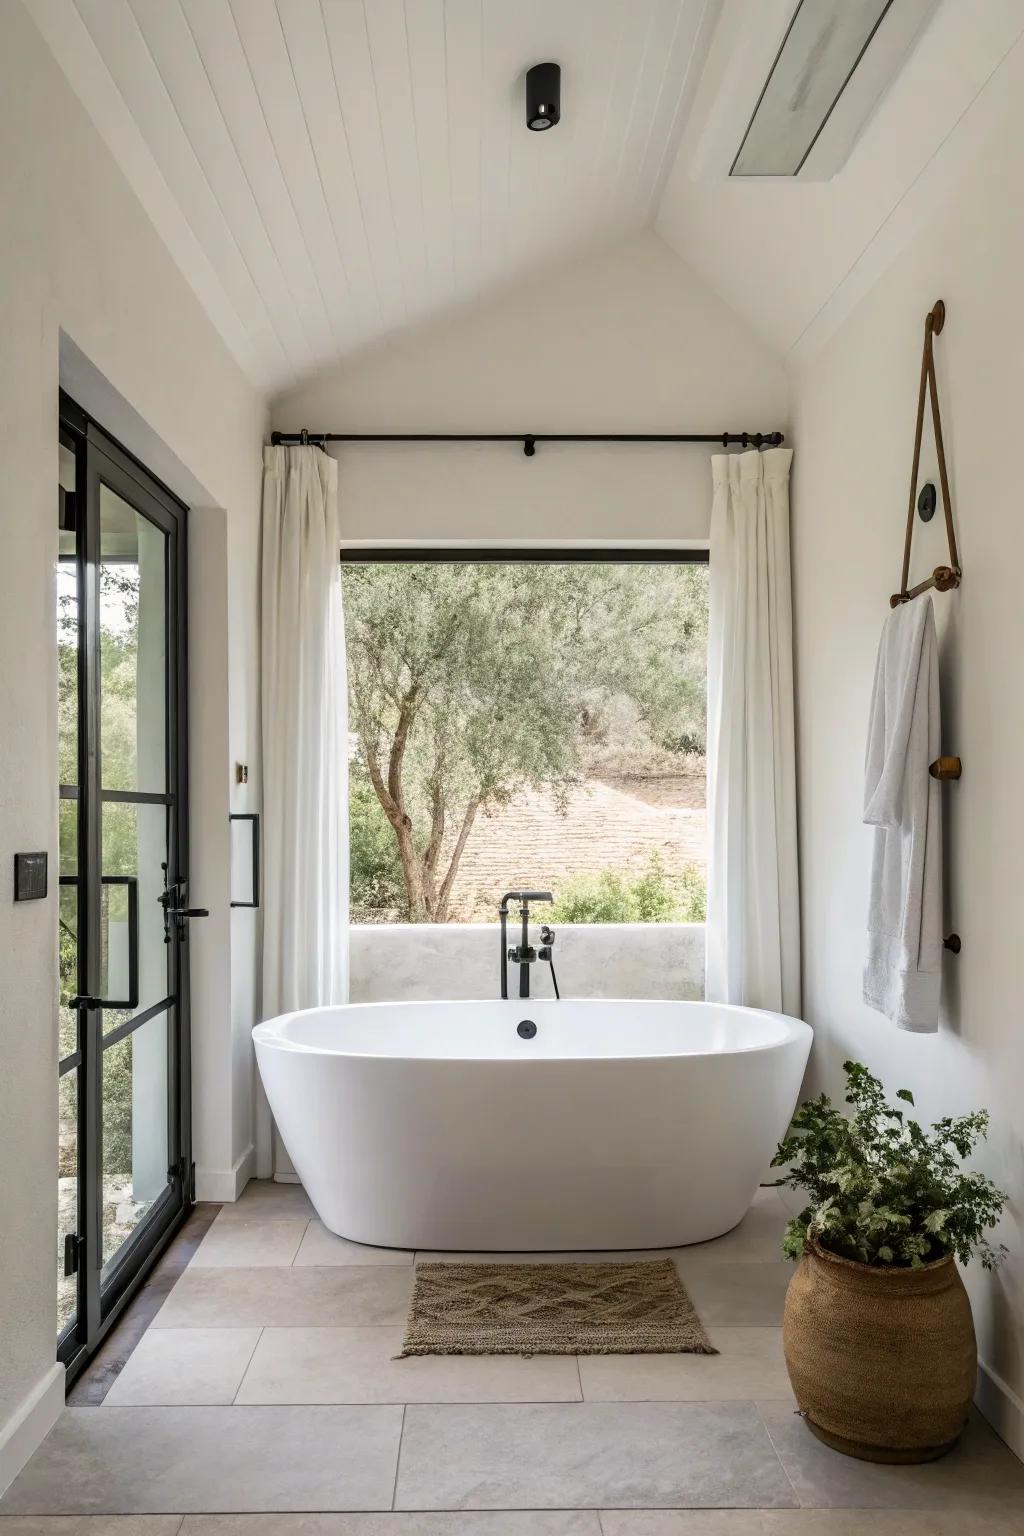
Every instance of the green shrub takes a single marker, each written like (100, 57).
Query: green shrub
(883, 1190)
(653, 897)
(375, 872)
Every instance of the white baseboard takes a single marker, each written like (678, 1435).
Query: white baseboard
(224, 1185)
(30, 1424)
(1002, 1407)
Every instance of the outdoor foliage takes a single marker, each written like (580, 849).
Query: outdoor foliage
(469, 682)
(375, 871)
(652, 897)
(883, 1190)
(119, 591)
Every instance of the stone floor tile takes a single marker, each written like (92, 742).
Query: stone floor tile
(173, 1367)
(749, 1364)
(210, 1460)
(980, 1474)
(588, 1455)
(267, 1242)
(263, 1200)
(735, 1293)
(319, 1246)
(357, 1365)
(345, 1296)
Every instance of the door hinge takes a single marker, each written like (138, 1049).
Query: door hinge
(72, 1253)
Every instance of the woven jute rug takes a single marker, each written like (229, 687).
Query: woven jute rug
(636, 1308)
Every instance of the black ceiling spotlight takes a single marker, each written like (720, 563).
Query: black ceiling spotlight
(543, 96)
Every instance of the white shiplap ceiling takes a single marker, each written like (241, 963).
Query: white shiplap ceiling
(328, 171)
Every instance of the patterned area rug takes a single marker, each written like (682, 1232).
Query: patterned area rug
(552, 1309)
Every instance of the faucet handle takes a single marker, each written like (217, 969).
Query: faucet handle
(547, 934)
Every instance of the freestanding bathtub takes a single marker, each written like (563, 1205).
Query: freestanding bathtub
(615, 1125)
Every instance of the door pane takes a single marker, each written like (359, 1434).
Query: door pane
(67, 1193)
(133, 641)
(134, 845)
(136, 1153)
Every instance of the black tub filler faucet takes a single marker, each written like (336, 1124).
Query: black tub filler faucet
(523, 954)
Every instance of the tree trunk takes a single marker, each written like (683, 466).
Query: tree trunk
(444, 894)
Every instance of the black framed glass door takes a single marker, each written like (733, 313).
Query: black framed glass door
(124, 1161)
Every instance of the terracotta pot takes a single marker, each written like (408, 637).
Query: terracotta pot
(882, 1361)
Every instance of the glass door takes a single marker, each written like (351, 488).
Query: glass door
(124, 1165)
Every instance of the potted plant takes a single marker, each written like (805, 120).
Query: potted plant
(878, 1334)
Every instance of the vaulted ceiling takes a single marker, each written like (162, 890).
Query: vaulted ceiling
(328, 172)
(343, 168)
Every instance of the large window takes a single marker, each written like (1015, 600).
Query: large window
(527, 721)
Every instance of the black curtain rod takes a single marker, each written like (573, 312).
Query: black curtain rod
(530, 440)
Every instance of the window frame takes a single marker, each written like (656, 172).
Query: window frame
(498, 554)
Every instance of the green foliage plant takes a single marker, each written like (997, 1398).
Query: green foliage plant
(653, 897)
(885, 1191)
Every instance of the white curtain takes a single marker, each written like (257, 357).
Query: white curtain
(305, 743)
(753, 924)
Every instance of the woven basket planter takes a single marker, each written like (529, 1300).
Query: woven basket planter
(882, 1361)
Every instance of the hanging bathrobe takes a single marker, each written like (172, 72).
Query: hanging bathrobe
(903, 970)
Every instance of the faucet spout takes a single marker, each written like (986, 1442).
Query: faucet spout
(522, 954)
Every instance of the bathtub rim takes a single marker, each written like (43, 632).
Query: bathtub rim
(268, 1033)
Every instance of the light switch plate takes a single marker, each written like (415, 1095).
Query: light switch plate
(30, 876)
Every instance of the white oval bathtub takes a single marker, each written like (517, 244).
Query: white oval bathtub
(617, 1125)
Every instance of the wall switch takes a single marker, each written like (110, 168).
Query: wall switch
(29, 876)
(241, 773)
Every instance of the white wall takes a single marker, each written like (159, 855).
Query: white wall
(423, 961)
(86, 285)
(854, 424)
(629, 340)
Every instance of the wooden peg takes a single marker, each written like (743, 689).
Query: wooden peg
(946, 768)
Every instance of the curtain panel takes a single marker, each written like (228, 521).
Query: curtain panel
(753, 922)
(305, 742)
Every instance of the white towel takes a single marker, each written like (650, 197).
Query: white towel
(903, 970)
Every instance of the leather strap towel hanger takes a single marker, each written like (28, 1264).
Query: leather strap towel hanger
(944, 577)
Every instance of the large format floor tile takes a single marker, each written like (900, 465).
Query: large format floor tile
(261, 1243)
(588, 1455)
(758, 1236)
(319, 1246)
(283, 1298)
(802, 1522)
(91, 1525)
(162, 1460)
(357, 1365)
(453, 1523)
(749, 1364)
(980, 1474)
(263, 1200)
(184, 1366)
(735, 1293)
